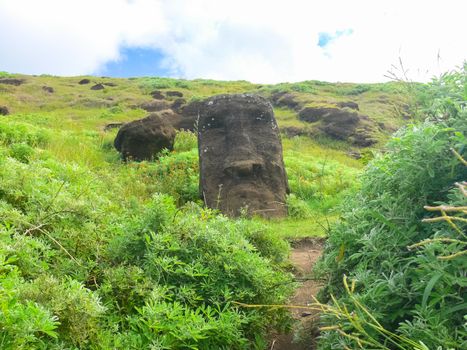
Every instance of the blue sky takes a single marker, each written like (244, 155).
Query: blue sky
(136, 62)
(324, 39)
(263, 41)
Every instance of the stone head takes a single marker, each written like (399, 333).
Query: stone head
(241, 164)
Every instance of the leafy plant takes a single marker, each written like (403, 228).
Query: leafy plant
(408, 274)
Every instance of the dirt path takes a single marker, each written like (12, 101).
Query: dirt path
(304, 255)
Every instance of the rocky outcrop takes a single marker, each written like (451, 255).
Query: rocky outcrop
(143, 139)
(241, 164)
(84, 81)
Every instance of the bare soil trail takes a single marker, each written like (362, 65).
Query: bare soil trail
(304, 255)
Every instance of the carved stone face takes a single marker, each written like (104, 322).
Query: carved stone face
(241, 163)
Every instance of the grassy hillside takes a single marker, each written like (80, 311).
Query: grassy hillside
(319, 166)
(95, 252)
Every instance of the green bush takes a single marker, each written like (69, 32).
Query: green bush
(21, 152)
(185, 141)
(297, 208)
(15, 132)
(84, 267)
(415, 294)
(178, 175)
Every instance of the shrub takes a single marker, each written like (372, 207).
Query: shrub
(15, 132)
(141, 259)
(297, 208)
(411, 294)
(185, 141)
(21, 152)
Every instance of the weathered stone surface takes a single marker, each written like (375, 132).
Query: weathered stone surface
(348, 104)
(178, 104)
(174, 94)
(155, 106)
(97, 87)
(157, 95)
(84, 81)
(292, 131)
(11, 81)
(4, 110)
(186, 115)
(313, 114)
(143, 139)
(340, 124)
(285, 99)
(354, 154)
(347, 125)
(48, 89)
(241, 164)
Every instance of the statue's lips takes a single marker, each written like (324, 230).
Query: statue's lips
(250, 191)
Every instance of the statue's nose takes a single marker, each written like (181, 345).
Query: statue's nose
(243, 168)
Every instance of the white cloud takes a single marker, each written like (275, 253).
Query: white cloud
(256, 40)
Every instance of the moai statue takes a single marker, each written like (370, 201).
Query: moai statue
(240, 154)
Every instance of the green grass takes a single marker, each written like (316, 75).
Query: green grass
(315, 226)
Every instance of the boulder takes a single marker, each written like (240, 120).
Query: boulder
(240, 154)
(313, 114)
(142, 139)
(174, 94)
(97, 87)
(84, 81)
(187, 115)
(348, 104)
(11, 81)
(157, 95)
(348, 125)
(48, 89)
(178, 104)
(287, 100)
(4, 110)
(363, 136)
(154, 106)
(354, 154)
(292, 131)
(340, 124)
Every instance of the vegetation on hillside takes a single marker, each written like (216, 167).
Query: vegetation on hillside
(400, 246)
(97, 254)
